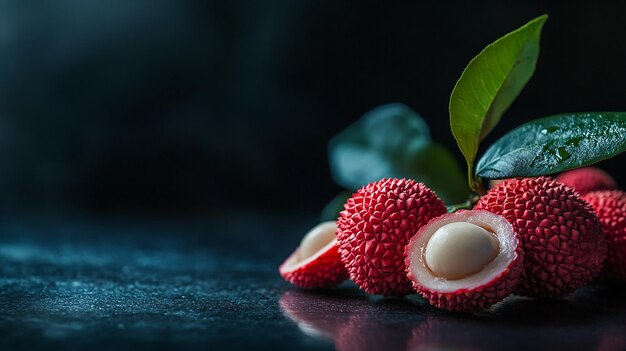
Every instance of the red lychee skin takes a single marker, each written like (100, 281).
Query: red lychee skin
(325, 271)
(587, 179)
(610, 207)
(478, 298)
(563, 245)
(375, 226)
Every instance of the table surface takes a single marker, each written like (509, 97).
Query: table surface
(213, 284)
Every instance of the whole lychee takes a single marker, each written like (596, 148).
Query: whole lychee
(375, 226)
(465, 261)
(610, 207)
(316, 262)
(493, 182)
(563, 245)
(587, 179)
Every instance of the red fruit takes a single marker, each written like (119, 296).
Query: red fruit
(563, 245)
(376, 225)
(587, 179)
(316, 262)
(610, 207)
(494, 182)
(465, 261)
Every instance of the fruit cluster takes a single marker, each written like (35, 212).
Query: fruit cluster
(528, 236)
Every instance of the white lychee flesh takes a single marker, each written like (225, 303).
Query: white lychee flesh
(460, 249)
(315, 242)
(463, 250)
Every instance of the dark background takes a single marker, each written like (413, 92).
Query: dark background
(191, 107)
(160, 159)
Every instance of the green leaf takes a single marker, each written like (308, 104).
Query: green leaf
(394, 141)
(489, 85)
(435, 166)
(334, 206)
(555, 144)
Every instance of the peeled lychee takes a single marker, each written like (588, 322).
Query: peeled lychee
(316, 262)
(587, 179)
(376, 225)
(465, 261)
(563, 245)
(610, 207)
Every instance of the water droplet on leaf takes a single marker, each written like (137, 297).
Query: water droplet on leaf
(562, 154)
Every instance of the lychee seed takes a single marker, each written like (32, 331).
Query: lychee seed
(460, 249)
(465, 261)
(587, 179)
(375, 226)
(316, 262)
(563, 245)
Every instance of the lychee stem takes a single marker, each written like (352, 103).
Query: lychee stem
(466, 205)
(475, 183)
(478, 187)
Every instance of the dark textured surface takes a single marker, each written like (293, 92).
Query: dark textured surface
(206, 285)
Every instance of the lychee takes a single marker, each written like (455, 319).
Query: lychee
(563, 245)
(493, 182)
(610, 207)
(587, 179)
(465, 261)
(376, 225)
(316, 262)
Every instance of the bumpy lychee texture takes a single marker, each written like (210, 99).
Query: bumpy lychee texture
(316, 262)
(465, 261)
(610, 207)
(375, 227)
(587, 179)
(563, 245)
